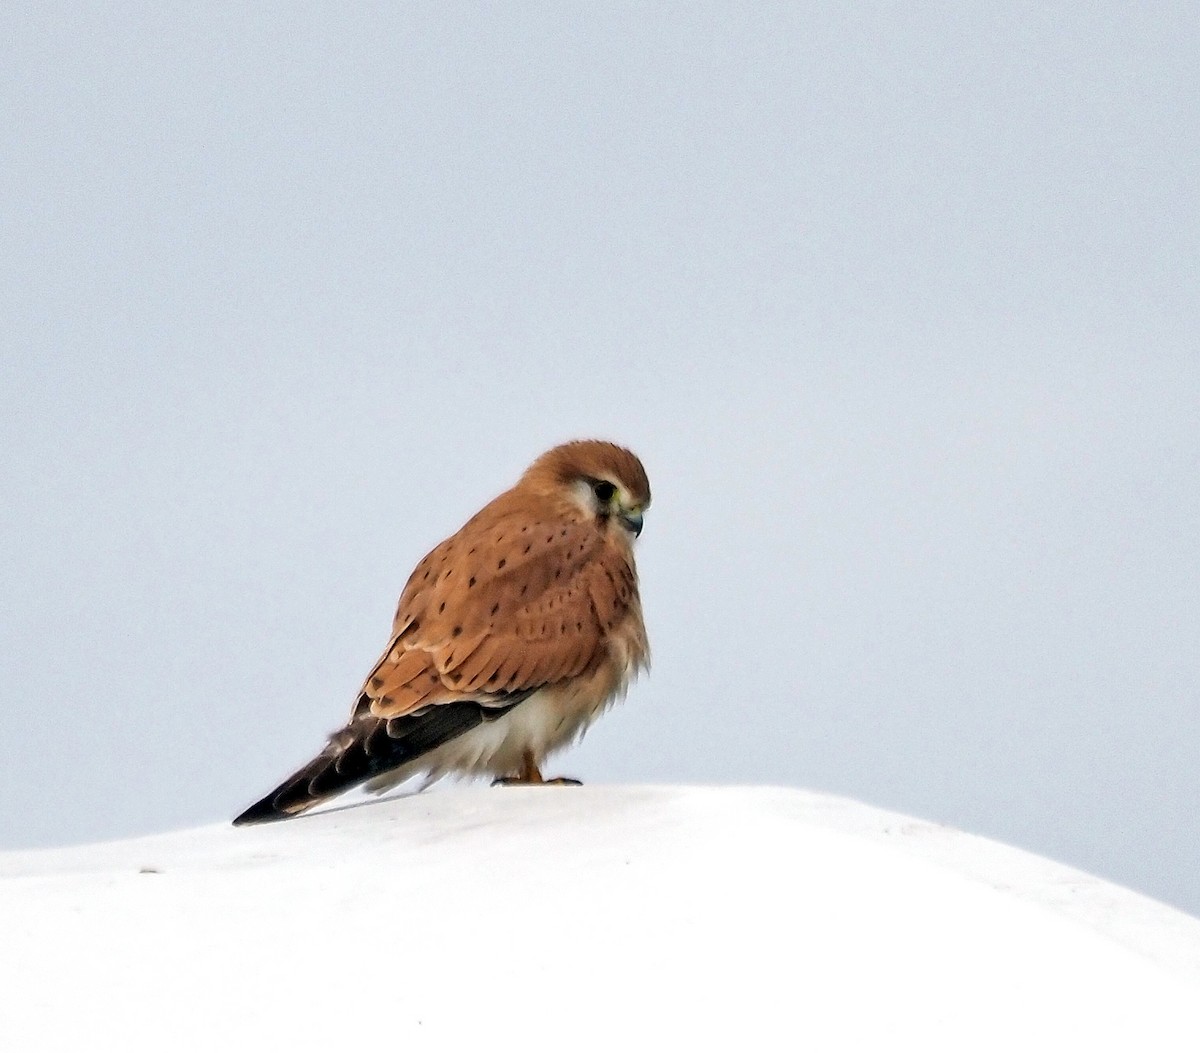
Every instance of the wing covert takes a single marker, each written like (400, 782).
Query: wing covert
(505, 605)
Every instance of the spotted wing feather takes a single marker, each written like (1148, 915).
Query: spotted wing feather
(509, 604)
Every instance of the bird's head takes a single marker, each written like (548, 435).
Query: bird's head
(606, 481)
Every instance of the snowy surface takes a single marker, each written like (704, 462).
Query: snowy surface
(601, 917)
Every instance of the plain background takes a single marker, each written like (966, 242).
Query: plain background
(898, 303)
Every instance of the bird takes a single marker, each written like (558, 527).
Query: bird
(509, 639)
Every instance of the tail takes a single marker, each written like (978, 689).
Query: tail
(366, 747)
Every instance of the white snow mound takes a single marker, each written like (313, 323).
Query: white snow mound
(595, 918)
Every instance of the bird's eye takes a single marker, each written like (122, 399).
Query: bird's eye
(604, 491)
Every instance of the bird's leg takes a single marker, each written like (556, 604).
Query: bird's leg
(530, 774)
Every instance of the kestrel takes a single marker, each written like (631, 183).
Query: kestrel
(510, 638)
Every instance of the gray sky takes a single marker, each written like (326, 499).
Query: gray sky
(898, 303)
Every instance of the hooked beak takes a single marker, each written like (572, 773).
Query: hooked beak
(632, 521)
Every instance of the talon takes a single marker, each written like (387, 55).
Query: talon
(531, 775)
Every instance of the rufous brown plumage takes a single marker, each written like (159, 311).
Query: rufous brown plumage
(509, 639)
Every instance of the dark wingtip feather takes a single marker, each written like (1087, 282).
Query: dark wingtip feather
(368, 747)
(263, 811)
(293, 796)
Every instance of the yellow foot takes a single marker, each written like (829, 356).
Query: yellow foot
(530, 774)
